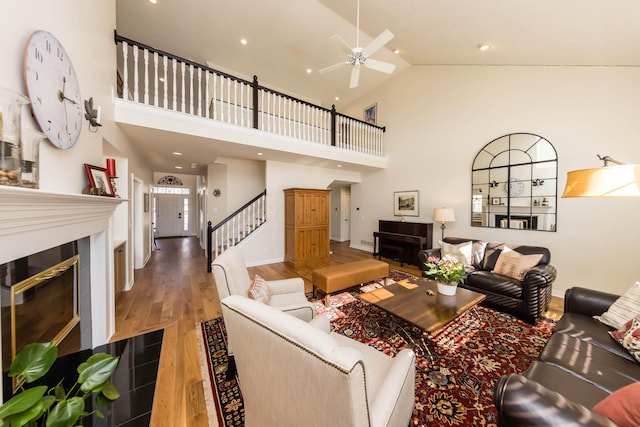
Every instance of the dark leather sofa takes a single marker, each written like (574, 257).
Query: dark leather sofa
(579, 366)
(526, 299)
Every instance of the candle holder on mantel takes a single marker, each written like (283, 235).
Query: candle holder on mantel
(111, 173)
(113, 185)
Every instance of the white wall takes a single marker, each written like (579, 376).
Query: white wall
(438, 117)
(267, 245)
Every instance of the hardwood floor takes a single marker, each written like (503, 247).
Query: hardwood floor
(174, 292)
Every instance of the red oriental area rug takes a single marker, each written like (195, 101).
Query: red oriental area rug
(454, 387)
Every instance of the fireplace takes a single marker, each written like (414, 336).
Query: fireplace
(33, 221)
(41, 302)
(517, 221)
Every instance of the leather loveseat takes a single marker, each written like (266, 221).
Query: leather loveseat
(527, 298)
(579, 367)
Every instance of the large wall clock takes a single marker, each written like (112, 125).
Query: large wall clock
(514, 187)
(53, 88)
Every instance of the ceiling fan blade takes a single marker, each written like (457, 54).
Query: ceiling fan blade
(355, 76)
(385, 67)
(378, 42)
(343, 45)
(332, 67)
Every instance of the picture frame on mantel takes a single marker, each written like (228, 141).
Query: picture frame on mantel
(99, 182)
(406, 203)
(371, 113)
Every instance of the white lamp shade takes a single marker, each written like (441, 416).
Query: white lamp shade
(608, 181)
(444, 215)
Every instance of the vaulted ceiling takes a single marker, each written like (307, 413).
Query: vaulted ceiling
(287, 37)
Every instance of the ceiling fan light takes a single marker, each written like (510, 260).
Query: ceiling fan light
(484, 47)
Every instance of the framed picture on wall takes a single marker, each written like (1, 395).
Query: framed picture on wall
(496, 200)
(370, 114)
(406, 203)
(146, 202)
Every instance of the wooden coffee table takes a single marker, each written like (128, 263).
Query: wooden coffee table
(411, 301)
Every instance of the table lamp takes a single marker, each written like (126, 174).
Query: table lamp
(443, 215)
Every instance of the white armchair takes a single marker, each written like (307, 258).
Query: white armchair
(232, 278)
(294, 373)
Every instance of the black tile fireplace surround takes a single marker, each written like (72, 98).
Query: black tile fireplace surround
(135, 379)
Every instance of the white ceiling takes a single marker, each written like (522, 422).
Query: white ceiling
(285, 37)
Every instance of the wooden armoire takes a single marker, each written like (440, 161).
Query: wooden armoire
(306, 225)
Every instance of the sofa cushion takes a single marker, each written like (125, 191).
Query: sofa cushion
(512, 264)
(591, 363)
(622, 406)
(629, 337)
(259, 290)
(460, 252)
(477, 254)
(586, 328)
(624, 309)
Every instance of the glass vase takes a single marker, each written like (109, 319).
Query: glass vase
(11, 104)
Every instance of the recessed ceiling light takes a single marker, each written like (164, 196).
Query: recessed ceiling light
(153, 1)
(243, 41)
(484, 47)
(161, 79)
(396, 51)
(178, 167)
(339, 166)
(309, 70)
(177, 153)
(259, 154)
(337, 98)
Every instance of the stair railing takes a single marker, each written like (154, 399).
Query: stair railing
(236, 227)
(150, 76)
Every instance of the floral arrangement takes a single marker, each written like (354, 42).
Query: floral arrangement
(445, 271)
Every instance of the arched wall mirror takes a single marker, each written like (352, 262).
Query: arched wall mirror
(515, 184)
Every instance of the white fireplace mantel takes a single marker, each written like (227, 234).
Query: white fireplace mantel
(35, 220)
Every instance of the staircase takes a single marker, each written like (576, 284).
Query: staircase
(236, 227)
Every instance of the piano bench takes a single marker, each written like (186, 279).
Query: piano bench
(342, 276)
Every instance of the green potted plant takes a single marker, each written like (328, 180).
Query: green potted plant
(54, 406)
(446, 273)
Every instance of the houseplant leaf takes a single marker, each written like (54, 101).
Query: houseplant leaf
(66, 413)
(22, 401)
(33, 361)
(109, 391)
(93, 359)
(94, 375)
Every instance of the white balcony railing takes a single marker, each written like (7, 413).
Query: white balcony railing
(152, 77)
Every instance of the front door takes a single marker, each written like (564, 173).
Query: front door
(170, 215)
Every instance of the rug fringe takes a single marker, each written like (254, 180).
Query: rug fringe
(212, 413)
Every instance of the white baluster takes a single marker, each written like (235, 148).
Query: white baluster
(183, 97)
(145, 54)
(125, 71)
(165, 83)
(215, 96)
(199, 91)
(242, 104)
(249, 105)
(261, 109)
(280, 114)
(222, 79)
(206, 93)
(135, 74)
(155, 79)
(175, 88)
(190, 88)
(235, 102)
(228, 100)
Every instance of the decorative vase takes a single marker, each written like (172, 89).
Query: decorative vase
(447, 288)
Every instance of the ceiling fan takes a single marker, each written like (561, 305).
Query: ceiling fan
(358, 55)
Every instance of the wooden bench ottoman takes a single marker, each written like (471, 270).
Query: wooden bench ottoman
(342, 276)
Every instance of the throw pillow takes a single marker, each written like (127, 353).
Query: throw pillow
(458, 253)
(477, 253)
(622, 406)
(491, 253)
(513, 264)
(623, 309)
(259, 290)
(629, 337)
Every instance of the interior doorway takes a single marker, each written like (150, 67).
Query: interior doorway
(340, 212)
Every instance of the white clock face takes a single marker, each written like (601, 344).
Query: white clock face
(53, 88)
(514, 187)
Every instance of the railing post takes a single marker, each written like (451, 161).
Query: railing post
(209, 260)
(333, 125)
(255, 101)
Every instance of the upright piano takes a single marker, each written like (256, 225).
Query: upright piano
(402, 240)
